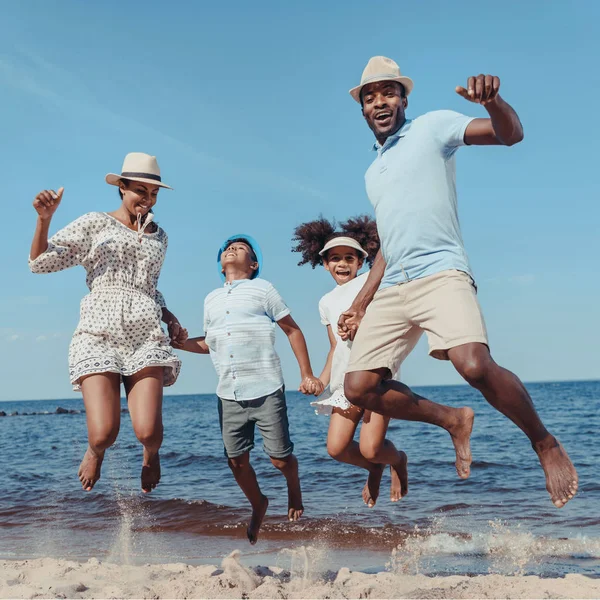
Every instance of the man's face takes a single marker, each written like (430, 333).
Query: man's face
(383, 108)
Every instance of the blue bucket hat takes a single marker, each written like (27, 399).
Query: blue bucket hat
(251, 242)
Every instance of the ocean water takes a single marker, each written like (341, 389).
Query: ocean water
(500, 520)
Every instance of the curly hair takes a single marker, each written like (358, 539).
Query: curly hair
(310, 237)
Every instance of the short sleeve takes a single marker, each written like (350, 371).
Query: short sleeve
(69, 246)
(449, 129)
(323, 312)
(206, 315)
(160, 299)
(275, 307)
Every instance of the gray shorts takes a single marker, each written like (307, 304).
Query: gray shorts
(237, 421)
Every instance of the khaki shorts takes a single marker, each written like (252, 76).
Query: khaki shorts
(443, 305)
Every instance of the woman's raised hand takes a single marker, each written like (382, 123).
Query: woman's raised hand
(46, 203)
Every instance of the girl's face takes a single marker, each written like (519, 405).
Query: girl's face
(138, 197)
(343, 263)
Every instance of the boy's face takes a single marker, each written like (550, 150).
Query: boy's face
(343, 263)
(241, 256)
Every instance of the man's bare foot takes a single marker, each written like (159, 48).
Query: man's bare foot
(258, 514)
(370, 492)
(89, 469)
(295, 508)
(460, 432)
(399, 475)
(150, 471)
(561, 477)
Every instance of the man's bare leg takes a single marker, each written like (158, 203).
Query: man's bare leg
(289, 468)
(505, 392)
(372, 391)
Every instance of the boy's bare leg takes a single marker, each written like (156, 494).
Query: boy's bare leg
(101, 397)
(375, 447)
(289, 467)
(245, 477)
(372, 391)
(144, 396)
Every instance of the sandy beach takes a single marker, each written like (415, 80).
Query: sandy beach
(56, 578)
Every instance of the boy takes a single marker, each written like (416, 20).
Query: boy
(240, 337)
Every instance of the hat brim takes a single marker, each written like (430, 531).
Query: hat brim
(114, 179)
(342, 240)
(407, 82)
(251, 242)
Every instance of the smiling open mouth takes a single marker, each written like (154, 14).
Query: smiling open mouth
(383, 117)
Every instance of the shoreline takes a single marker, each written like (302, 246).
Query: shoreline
(60, 578)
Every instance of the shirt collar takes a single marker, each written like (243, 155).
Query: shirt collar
(392, 139)
(234, 283)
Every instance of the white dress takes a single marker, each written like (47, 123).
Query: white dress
(331, 306)
(119, 329)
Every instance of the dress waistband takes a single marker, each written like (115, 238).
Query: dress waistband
(122, 288)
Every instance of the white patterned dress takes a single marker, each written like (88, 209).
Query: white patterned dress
(119, 329)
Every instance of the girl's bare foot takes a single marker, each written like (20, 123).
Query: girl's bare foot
(399, 475)
(460, 432)
(150, 471)
(89, 469)
(258, 514)
(370, 492)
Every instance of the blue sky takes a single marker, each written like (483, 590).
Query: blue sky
(246, 107)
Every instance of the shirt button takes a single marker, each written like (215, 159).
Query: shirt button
(228, 334)
(234, 376)
(226, 312)
(231, 356)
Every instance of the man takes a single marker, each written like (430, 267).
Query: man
(422, 275)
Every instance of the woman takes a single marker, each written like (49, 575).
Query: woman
(119, 336)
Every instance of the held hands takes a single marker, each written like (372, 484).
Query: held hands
(177, 333)
(311, 386)
(46, 203)
(349, 322)
(482, 89)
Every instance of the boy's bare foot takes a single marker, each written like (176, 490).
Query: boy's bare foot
(460, 432)
(258, 514)
(399, 475)
(370, 492)
(150, 471)
(295, 508)
(561, 477)
(89, 469)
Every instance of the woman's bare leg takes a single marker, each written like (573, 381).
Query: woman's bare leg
(144, 396)
(102, 400)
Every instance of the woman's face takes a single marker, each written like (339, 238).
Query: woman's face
(138, 197)
(343, 263)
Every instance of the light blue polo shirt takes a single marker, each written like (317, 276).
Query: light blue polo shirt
(412, 186)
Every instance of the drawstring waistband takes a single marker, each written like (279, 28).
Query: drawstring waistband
(140, 227)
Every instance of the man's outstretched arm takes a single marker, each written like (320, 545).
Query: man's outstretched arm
(350, 320)
(503, 128)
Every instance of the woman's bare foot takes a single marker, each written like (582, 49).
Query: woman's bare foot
(399, 475)
(370, 492)
(460, 432)
(258, 514)
(562, 480)
(295, 508)
(150, 471)
(89, 469)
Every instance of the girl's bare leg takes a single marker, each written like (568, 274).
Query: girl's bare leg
(375, 447)
(342, 447)
(101, 397)
(144, 396)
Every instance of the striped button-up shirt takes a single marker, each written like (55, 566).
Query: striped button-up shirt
(239, 322)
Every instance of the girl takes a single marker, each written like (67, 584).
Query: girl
(119, 336)
(343, 254)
